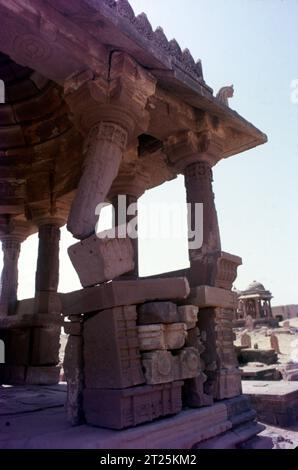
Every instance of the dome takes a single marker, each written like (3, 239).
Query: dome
(255, 286)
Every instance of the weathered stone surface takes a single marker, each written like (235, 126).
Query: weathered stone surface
(74, 374)
(104, 147)
(175, 335)
(193, 392)
(111, 349)
(151, 337)
(118, 293)
(274, 343)
(186, 364)
(118, 409)
(158, 367)
(289, 371)
(228, 383)
(45, 346)
(275, 402)
(266, 356)
(101, 259)
(157, 312)
(245, 340)
(188, 314)
(260, 372)
(162, 336)
(206, 296)
(44, 375)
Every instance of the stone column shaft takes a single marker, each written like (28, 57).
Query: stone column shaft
(47, 272)
(104, 148)
(9, 278)
(198, 184)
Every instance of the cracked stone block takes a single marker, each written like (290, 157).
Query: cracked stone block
(98, 260)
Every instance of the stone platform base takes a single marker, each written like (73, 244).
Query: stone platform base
(34, 418)
(270, 323)
(275, 402)
(260, 372)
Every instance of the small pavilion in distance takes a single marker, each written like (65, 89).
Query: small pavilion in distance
(254, 301)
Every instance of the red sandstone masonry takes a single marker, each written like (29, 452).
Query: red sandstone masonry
(111, 349)
(118, 409)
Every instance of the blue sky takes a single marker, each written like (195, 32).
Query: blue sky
(252, 44)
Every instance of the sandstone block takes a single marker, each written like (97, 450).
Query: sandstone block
(188, 314)
(186, 364)
(193, 392)
(158, 367)
(117, 293)
(73, 369)
(45, 346)
(111, 349)
(118, 409)
(175, 335)
(98, 260)
(151, 337)
(245, 340)
(207, 296)
(157, 312)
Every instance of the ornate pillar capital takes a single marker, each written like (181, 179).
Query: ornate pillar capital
(110, 112)
(188, 147)
(14, 230)
(121, 98)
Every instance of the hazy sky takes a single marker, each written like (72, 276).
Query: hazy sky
(252, 44)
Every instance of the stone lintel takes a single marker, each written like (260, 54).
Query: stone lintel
(117, 293)
(207, 296)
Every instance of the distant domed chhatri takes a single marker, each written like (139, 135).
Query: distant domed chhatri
(255, 286)
(255, 301)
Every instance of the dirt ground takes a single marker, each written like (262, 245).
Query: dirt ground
(283, 438)
(287, 337)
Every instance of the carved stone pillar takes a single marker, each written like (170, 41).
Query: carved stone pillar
(109, 113)
(198, 184)
(130, 184)
(12, 234)
(47, 272)
(194, 155)
(45, 340)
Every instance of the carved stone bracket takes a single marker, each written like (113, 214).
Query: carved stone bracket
(110, 113)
